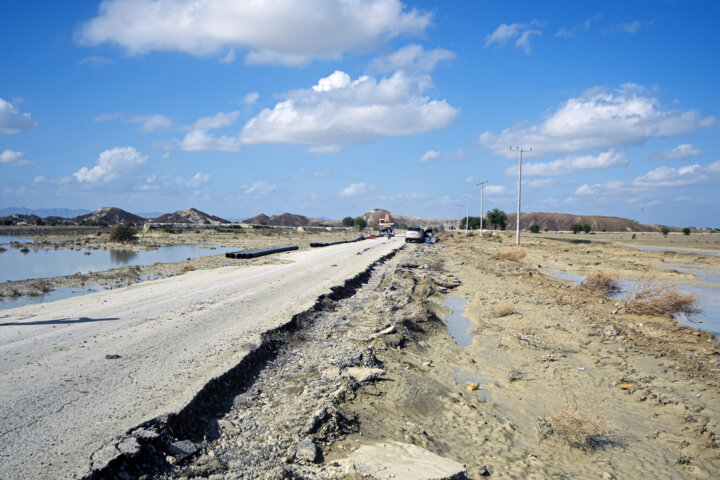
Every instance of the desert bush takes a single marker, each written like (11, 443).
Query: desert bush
(686, 231)
(503, 310)
(571, 425)
(576, 228)
(123, 232)
(535, 228)
(586, 228)
(650, 296)
(348, 222)
(514, 375)
(496, 218)
(664, 231)
(513, 254)
(600, 282)
(360, 223)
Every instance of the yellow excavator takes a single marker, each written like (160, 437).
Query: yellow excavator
(385, 226)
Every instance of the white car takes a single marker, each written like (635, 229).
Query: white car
(414, 234)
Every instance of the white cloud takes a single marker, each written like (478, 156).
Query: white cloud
(199, 140)
(198, 180)
(110, 165)
(599, 119)
(630, 27)
(685, 150)
(571, 165)
(495, 190)
(251, 98)
(411, 58)
(259, 188)
(322, 174)
(12, 121)
(148, 123)
(544, 183)
(470, 180)
(14, 158)
(521, 33)
(583, 26)
(293, 33)
(429, 155)
(354, 189)
(230, 57)
(218, 120)
(338, 112)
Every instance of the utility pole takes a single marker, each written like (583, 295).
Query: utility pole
(467, 215)
(458, 217)
(482, 213)
(517, 219)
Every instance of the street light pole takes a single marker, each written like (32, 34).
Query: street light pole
(517, 218)
(467, 215)
(482, 213)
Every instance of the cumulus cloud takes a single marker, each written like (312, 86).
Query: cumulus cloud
(12, 121)
(111, 164)
(495, 190)
(259, 188)
(354, 189)
(519, 33)
(685, 150)
(662, 177)
(251, 98)
(411, 58)
(13, 158)
(569, 165)
(599, 119)
(293, 33)
(338, 111)
(218, 120)
(199, 140)
(429, 155)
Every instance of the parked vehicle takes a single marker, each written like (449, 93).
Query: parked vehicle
(414, 234)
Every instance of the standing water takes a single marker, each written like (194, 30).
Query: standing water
(457, 323)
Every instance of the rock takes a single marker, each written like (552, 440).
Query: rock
(607, 475)
(364, 374)
(387, 331)
(392, 341)
(611, 331)
(485, 470)
(306, 450)
(182, 449)
(393, 460)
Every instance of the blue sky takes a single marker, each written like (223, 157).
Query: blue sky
(330, 108)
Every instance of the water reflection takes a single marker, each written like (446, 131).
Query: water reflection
(122, 257)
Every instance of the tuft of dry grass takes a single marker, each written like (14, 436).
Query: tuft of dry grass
(503, 310)
(576, 428)
(515, 374)
(650, 296)
(513, 254)
(601, 282)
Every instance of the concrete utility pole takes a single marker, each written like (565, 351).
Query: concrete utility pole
(459, 214)
(467, 215)
(517, 219)
(482, 213)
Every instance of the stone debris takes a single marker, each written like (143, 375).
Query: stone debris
(611, 331)
(306, 450)
(182, 449)
(394, 460)
(364, 374)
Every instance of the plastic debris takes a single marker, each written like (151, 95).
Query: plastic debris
(473, 386)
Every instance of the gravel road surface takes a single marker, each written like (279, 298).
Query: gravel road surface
(78, 373)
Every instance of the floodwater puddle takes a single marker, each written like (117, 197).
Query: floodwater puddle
(457, 323)
(708, 295)
(676, 250)
(51, 296)
(16, 264)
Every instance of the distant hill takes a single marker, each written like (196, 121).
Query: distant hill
(109, 215)
(287, 220)
(44, 212)
(563, 221)
(190, 215)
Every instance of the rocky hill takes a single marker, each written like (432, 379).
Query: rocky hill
(287, 220)
(563, 221)
(257, 220)
(110, 215)
(191, 215)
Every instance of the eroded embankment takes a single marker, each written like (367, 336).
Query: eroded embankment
(195, 439)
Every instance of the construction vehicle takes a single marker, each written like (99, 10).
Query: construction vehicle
(386, 227)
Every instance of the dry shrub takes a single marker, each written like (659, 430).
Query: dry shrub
(503, 310)
(650, 296)
(514, 254)
(600, 282)
(569, 424)
(515, 374)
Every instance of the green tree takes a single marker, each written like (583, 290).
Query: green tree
(664, 231)
(686, 231)
(496, 218)
(473, 223)
(123, 232)
(360, 223)
(348, 222)
(586, 228)
(535, 228)
(576, 228)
